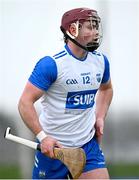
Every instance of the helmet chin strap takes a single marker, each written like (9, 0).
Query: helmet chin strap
(72, 38)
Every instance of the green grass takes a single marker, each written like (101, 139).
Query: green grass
(10, 172)
(124, 170)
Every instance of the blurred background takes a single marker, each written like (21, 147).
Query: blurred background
(29, 30)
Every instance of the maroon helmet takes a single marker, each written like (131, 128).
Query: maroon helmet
(79, 15)
(75, 15)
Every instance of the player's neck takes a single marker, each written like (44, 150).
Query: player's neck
(76, 50)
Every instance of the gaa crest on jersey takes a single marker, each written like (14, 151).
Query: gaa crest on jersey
(71, 81)
(80, 99)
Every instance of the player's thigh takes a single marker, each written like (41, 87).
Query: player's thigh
(100, 173)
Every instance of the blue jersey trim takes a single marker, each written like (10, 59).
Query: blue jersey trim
(57, 57)
(44, 73)
(69, 51)
(106, 75)
(96, 53)
(59, 53)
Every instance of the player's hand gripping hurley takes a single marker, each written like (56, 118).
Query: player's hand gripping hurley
(73, 158)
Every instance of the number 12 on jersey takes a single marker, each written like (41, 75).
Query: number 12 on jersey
(86, 79)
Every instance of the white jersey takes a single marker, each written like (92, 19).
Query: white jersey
(70, 86)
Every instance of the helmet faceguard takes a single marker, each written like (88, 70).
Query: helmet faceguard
(78, 17)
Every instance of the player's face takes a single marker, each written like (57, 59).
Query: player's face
(89, 32)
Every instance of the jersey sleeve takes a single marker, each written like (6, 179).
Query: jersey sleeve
(106, 75)
(44, 73)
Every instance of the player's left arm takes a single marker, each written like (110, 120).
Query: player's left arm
(103, 101)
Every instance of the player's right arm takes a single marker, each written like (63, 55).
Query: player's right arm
(43, 75)
(29, 115)
(26, 107)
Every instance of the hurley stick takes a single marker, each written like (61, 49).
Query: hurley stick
(73, 158)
